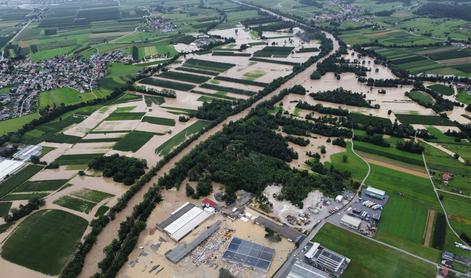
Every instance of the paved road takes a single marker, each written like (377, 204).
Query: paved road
(111, 230)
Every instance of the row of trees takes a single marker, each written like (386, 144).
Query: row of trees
(392, 83)
(342, 96)
(322, 109)
(23, 210)
(121, 168)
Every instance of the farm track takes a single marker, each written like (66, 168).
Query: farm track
(429, 227)
(111, 230)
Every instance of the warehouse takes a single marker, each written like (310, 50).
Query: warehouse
(177, 254)
(327, 260)
(183, 220)
(9, 167)
(350, 221)
(375, 193)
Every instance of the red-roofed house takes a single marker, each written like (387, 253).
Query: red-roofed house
(209, 203)
(447, 176)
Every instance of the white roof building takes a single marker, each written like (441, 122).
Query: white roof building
(350, 221)
(8, 167)
(184, 220)
(376, 190)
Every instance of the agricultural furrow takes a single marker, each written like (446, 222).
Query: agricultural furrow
(111, 230)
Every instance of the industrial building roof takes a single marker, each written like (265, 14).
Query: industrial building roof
(249, 254)
(303, 270)
(350, 220)
(179, 252)
(8, 167)
(328, 259)
(183, 220)
(175, 215)
(376, 191)
(283, 230)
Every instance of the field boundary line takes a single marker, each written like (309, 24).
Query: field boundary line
(441, 203)
(454, 193)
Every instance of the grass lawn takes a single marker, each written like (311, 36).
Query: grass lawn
(19, 178)
(370, 259)
(92, 195)
(133, 141)
(15, 124)
(354, 164)
(159, 121)
(180, 137)
(75, 204)
(127, 98)
(34, 186)
(45, 241)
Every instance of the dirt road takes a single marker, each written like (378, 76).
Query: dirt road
(111, 230)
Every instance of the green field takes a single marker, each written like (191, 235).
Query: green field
(133, 141)
(186, 77)
(390, 152)
(45, 241)
(167, 84)
(75, 204)
(23, 196)
(159, 121)
(442, 89)
(424, 120)
(370, 259)
(464, 97)
(35, 186)
(93, 196)
(15, 124)
(422, 98)
(207, 65)
(125, 116)
(18, 179)
(180, 137)
(76, 159)
(354, 164)
(274, 51)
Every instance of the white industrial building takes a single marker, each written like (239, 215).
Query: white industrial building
(183, 220)
(350, 221)
(27, 152)
(375, 193)
(326, 260)
(9, 167)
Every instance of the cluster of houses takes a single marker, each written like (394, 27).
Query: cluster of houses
(154, 23)
(24, 79)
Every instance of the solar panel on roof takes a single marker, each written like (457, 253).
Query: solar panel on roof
(249, 254)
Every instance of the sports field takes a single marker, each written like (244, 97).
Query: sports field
(44, 241)
(370, 259)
